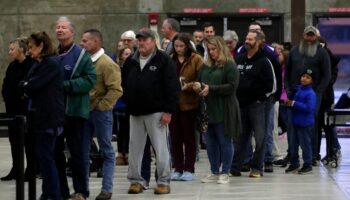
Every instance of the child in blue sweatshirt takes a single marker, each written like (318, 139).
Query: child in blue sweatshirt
(303, 108)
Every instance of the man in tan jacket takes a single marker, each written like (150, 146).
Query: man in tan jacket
(103, 96)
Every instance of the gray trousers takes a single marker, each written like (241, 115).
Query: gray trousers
(140, 126)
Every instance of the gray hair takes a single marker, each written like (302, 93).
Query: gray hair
(66, 19)
(230, 35)
(174, 24)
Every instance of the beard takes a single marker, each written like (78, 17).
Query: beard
(308, 49)
(249, 46)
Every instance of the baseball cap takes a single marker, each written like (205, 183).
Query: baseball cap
(146, 33)
(309, 72)
(310, 29)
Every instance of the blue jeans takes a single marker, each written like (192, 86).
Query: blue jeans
(45, 153)
(219, 148)
(301, 136)
(269, 129)
(101, 123)
(253, 120)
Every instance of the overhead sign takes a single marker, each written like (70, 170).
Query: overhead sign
(253, 10)
(198, 10)
(339, 9)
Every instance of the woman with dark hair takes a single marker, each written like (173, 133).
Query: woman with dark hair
(44, 87)
(15, 103)
(182, 125)
(220, 78)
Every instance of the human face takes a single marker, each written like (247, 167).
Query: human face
(89, 43)
(146, 46)
(310, 38)
(198, 37)
(250, 41)
(64, 31)
(231, 44)
(209, 32)
(213, 52)
(34, 50)
(180, 47)
(120, 45)
(254, 27)
(305, 79)
(166, 30)
(165, 43)
(13, 51)
(128, 42)
(126, 53)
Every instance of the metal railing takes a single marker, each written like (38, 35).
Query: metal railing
(19, 122)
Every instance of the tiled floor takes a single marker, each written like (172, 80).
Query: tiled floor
(323, 184)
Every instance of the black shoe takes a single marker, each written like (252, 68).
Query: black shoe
(234, 173)
(203, 146)
(305, 170)
(278, 162)
(9, 176)
(245, 168)
(268, 167)
(286, 161)
(99, 173)
(291, 169)
(314, 162)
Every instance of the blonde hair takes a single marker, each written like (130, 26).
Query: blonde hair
(21, 43)
(223, 51)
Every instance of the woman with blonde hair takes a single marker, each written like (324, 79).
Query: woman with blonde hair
(219, 79)
(15, 103)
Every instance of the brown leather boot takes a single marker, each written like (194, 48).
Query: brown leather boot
(162, 189)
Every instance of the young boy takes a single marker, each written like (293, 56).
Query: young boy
(303, 118)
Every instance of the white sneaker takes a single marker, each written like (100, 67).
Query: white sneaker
(223, 179)
(210, 178)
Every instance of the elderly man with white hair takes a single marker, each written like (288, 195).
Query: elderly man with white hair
(129, 39)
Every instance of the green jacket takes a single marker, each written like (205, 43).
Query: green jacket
(77, 88)
(227, 90)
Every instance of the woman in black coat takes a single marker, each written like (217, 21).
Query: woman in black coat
(15, 103)
(44, 87)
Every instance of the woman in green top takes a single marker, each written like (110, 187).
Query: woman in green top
(220, 77)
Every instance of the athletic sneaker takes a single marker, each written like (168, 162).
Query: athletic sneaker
(175, 176)
(255, 173)
(223, 179)
(305, 170)
(292, 169)
(186, 176)
(210, 178)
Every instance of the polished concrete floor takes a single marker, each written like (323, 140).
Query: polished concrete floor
(323, 184)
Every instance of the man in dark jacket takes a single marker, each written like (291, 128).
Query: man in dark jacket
(151, 90)
(208, 32)
(309, 54)
(255, 86)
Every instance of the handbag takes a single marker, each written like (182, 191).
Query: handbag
(202, 116)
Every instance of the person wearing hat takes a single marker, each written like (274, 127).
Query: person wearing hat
(149, 78)
(231, 40)
(303, 106)
(309, 54)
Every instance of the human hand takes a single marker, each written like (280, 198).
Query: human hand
(165, 119)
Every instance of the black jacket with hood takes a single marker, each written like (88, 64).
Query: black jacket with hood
(256, 78)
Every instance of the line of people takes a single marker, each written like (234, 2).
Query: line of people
(73, 93)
